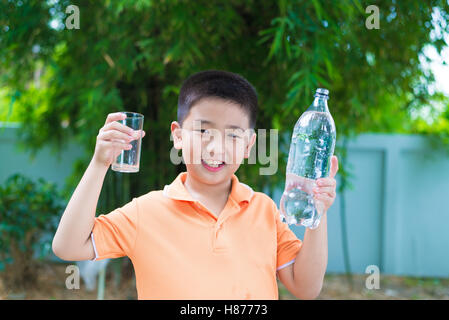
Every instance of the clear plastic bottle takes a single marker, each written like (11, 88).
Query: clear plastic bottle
(311, 149)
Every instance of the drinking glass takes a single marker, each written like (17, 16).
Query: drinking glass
(128, 160)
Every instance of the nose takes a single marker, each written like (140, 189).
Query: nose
(215, 146)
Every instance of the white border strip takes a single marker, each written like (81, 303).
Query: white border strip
(286, 264)
(95, 248)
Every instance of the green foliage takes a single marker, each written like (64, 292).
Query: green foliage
(27, 209)
(134, 55)
(437, 130)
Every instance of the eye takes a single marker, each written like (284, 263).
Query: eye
(202, 131)
(234, 136)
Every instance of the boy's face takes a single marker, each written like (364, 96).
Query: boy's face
(214, 130)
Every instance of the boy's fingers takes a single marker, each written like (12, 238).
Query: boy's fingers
(324, 189)
(115, 144)
(114, 117)
(329, 191)
(326, 182)
(334, 166)
(114, 135)
(138, 134)
(118, 126)
(321, 196)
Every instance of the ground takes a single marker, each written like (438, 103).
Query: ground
(337, 287)
(51, 285)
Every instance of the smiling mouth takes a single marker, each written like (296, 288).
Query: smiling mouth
(212, 165)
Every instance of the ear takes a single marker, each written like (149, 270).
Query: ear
(176, 132)
(252, 139)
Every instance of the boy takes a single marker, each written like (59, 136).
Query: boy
(206, 235)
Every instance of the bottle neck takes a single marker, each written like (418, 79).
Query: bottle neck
(320, 103)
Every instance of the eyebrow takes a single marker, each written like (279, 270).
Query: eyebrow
(227, 126)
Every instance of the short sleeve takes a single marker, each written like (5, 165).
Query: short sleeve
(288, 245)
(114, 234)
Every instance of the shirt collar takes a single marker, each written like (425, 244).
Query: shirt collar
(240, 192)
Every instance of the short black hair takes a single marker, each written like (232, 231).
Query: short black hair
(218, 84)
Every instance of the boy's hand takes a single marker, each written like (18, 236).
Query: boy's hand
(325, 191)
(112, 138)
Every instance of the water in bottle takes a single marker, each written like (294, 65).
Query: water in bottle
(311, 150)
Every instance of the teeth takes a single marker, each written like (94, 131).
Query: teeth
(213, 163)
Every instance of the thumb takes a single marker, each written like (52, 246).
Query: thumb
(334, 166)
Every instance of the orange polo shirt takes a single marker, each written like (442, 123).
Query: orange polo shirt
(180, 250)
